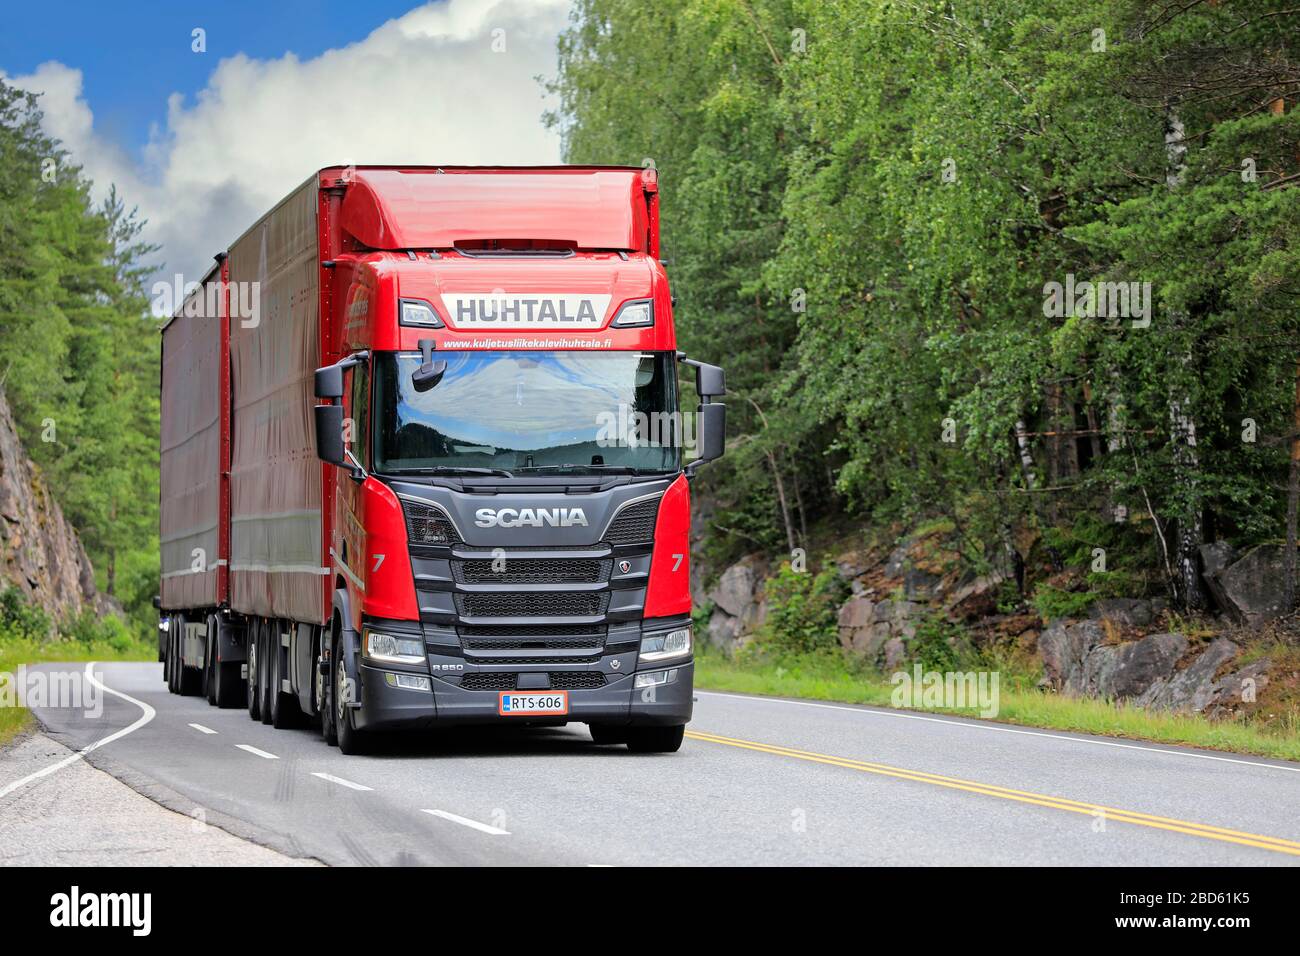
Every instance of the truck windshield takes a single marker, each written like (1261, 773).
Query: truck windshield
(578, 412)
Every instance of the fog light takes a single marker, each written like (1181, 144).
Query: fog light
(666, 646)
(408, 681)
(655, 678)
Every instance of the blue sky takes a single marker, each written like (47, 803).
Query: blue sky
(134, 55)
(203, 143)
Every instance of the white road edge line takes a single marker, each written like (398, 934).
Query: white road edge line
(147, 715)
(260, 753)
(340, 781)
(203, 730)
(483, 827)
(973, 725)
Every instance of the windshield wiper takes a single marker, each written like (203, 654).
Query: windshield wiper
(451, 470)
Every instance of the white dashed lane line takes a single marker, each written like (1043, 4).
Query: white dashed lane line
(341, 782)
(465, 822)
(203, 730)
(259, 753)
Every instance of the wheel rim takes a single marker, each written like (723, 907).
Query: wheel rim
(340, 689)
(252, 670)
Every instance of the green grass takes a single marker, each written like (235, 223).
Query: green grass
(1019, 703)
(18, 650)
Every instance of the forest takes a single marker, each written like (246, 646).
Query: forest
(1029, 268)
(79, 353)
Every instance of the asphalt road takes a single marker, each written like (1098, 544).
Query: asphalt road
(758, 781)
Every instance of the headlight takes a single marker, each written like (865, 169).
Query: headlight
(164, 623)
(634, 314)
(415, 312)
(397, 650)
(666, 646)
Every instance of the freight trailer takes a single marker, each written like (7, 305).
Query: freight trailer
(423, 462)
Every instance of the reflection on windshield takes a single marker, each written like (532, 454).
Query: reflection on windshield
(518, 410)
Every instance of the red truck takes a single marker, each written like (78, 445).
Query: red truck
(423, 464)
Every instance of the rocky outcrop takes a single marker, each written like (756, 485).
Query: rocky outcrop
(40, 553)
(870, 629)
(1076, 661)
(1159, 671)
(738, 602)
(1251, 589)
(1193, 687)
(1128, 612)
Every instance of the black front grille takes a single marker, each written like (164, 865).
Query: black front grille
(488, 682)
(576, 680)
(560, 680)
(591, 634)
(530, 643)
(635, 524)
(532, 570)
(427, 525)
(533, 604)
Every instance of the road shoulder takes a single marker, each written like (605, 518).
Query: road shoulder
(46, 822)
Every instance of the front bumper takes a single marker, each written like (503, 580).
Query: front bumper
(384, 707)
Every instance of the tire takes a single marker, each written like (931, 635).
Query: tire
(264, 672)
(655, 740)
(325, 698)
(251, 689)
(351, 741)
(210, 663)
(170, 660)
(608, 733)
(284, 708)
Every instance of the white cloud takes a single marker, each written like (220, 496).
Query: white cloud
(425, 88)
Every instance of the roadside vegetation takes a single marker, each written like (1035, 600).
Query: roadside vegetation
(29, 636)
(829, 677)
(904, 228)
(797, 653)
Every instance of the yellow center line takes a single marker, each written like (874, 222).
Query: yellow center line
(1137, 818)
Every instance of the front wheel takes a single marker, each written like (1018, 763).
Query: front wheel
(608, 733)
(655, 740)
(351, 740)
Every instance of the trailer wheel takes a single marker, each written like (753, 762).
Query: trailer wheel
(210, 662)
(189, 683)
(284, 708)
(325, 696)
(351, 740)
(167, 660)
(655, 740)
(254, 665)
(169, 666)
(225, 677)
(264, 672)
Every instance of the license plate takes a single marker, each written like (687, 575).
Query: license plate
(523, 704)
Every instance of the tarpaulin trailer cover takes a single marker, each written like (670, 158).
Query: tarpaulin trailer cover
(190, 455)
(276, 560)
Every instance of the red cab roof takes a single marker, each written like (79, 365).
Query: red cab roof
(581, 207)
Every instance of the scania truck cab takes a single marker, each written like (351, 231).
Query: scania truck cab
(506, 457)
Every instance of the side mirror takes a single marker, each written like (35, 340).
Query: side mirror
(710, 381)
(711, 429)
(329, 382)
(157, 601)
(329, 432)
(428, 374)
